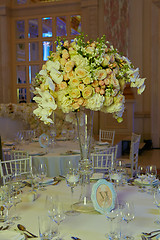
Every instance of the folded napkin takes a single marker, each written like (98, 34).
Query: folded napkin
(144, 182)
(30, 197)
(47, 182)
(155, 182)
(97, 176)
(11, 235)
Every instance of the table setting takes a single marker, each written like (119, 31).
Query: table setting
(85, 224)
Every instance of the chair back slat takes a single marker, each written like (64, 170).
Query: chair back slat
(18, 166)
(107, 135)
(102, 162)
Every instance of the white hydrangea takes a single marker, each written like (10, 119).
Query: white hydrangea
(95, 102)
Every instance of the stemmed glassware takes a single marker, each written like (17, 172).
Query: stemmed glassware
(156, 202)
(16, 193)
(72, 180)
(42, 175)
(113, 215)
(59, 215)
(34, 178)
(7, 202)
(128, 215)
(55, 211)
(151, 174)
(141, 173)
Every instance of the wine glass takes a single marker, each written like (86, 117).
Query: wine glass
(141, 173)
(128, 215)
(7, 202)
(113, 215)
(34, 178)
(51, 206)
(156, 201)
(59, 216)
(72, 179)
(152, 174)
(42, 175)
(16, 193)
(55, 210)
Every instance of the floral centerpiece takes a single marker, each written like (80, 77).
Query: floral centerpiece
(84, 76)
(81, 74)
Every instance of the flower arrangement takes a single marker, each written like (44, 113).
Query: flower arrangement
(81, 74)
(24, 113)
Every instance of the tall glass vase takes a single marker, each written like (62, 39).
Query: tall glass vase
(85, 130)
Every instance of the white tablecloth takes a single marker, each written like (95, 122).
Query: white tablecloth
(91, 226)
(57, 157)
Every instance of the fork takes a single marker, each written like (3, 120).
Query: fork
(150, 233)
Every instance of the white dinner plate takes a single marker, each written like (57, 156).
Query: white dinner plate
(9, 143)
(34, 153)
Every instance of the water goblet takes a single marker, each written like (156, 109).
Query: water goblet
(7, 202)
(16, 195)
(72, 179)
(128, 215)
(156, 201)
(47, 228)
(42, 175)
(141, 173)
(152, 174)
(34, 178)
(59, 216)
(51, 206)
(113, 216)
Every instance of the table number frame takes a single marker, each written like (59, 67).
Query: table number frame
(101, 190)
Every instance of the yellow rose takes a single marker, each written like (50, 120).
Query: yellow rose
(95, 83)
(80, 101)
(74, 82)
(101, 74)
(108, 101)
(65, 54)
(87, 80)
(81, 86)
(106, 60)
(81, 72)
(75, 105)
(62, 85)
(63, 61)
(87, 92)
(74, 93)
(69, 66)
(70, 74)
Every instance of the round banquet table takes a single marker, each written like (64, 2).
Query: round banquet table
(89, 226)
(56, 156)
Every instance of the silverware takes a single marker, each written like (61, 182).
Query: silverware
(150, 233)
(4, 228)
(153, 236)
(75, 238)
(143, 237)
(22, 228)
